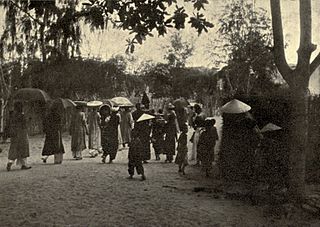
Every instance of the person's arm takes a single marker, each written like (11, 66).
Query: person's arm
(84, 123)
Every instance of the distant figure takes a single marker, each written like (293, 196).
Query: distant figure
(207, 141)
(182, 155)
(191, 115)
(171, 130)
(158, 133)
(144, 130)
(109, 123)
(19, 147)
(53, 142)
(94, 132)
(126, 126)
(198, 124)
(135, 156)
(138, 112)
(78, 131)
(145, 100)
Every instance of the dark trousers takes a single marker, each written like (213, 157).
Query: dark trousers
(137, 165)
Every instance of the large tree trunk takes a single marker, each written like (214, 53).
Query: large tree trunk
(298, 143)
(298, 81)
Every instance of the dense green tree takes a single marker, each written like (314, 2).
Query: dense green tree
(245, 46)
(178, 51)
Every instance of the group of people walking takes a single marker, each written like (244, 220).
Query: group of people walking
(105, 124)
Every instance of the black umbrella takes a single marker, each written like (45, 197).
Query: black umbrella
(180, 103)
(31, 95)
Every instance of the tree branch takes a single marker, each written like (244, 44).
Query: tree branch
(279, 54)
(315, 64)
(305, 47)
(26, 12)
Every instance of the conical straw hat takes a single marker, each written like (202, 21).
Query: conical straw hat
(270, 127)
(235, 106)
(145, 117)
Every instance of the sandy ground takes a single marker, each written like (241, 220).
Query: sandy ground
(89, 193)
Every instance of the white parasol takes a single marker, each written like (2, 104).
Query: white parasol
(94, 103)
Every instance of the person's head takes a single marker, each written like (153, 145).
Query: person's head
(152, 112)
(138, 106)
(18, 107)
(209, 123)
(127, 109)
(105, 110)
(197, 108)
(170, 107)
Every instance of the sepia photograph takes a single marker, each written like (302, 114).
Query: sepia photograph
(142, 113)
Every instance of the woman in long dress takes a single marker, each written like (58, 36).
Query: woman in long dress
(94, 132)
(171, 130)
(19, 147)
(198, 124)
(78, 130)
(126, 125)
(109, 123)
(53, 143)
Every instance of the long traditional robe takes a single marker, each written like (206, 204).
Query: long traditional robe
(78, 132)
(52, 128)
(94, 130)
(171, 135)
(109, 135)
(126, 125)
(19, 147)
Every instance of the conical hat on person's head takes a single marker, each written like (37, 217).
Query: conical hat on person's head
(145, 117)
(270, 127)
(235, 106)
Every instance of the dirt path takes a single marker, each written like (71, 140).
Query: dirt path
(89, 193)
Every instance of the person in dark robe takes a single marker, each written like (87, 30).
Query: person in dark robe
(109, 124)
(171, 130)
(53, 142)
(207, 141)
(135, 156)
(19, 147)
(158, 133)
(144, 130)
(145, 100)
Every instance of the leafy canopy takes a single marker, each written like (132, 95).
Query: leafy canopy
(142, 17)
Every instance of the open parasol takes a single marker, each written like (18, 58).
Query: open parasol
(180, 103)
(81, 103)
(122, 102)
(145, 117)
(94, 103)
(31, 95)
(235, 106)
